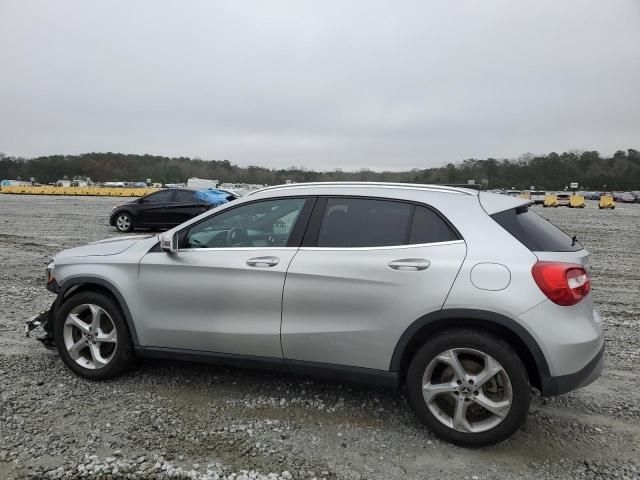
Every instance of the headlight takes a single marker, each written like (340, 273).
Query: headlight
(51, 272)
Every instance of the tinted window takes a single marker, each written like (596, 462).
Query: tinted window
(159, 197)
(429, 227)
(536, 233)
(183, 196)
(352, 222)
(260, 224)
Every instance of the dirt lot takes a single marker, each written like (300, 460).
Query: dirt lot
(197, 421)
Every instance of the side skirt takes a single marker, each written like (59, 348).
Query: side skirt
(298, 367)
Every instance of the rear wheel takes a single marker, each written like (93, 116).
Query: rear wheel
(92, 337)
(124, 222)
(469, 387)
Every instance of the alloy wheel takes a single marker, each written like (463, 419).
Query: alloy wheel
(467, 390)
(90, 336)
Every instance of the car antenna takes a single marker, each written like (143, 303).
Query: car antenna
(574, 239)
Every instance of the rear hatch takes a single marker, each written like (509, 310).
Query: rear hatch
(561, 271)
(543, 238)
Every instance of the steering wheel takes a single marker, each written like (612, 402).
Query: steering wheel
(237, 235)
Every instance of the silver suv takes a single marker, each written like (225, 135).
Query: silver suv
(464, 298)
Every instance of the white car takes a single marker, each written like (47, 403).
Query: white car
(537, 196)
(564, 199)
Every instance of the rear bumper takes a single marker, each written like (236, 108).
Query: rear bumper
(558, 385)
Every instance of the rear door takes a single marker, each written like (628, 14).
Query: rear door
(367, 269)
(184, 206)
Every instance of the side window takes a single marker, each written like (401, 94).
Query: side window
(429, 227)
(159, 197)
(353, 222)
(184, 196)
(260, 224)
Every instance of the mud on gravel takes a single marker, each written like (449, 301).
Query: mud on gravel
(185, 420)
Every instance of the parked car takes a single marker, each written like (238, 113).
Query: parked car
(467, 298)
(625, 197)
(537, 196)
(163, 209)
(564, 199)
(592, 195)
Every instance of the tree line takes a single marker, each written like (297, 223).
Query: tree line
(552, 171)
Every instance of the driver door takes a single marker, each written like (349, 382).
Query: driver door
(222, 290)
(153, 208)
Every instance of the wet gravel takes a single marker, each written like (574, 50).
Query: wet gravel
(184, 420)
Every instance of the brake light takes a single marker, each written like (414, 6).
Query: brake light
(563, 283)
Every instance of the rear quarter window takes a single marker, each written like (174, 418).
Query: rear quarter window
(535, 232)
(429, 227)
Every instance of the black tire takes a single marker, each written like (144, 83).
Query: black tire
(124, 222)
(122, 354)
(491, 345)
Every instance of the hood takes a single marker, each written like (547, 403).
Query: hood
(109, 246)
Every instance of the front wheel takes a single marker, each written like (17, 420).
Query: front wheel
(92, 337)
(468, 387)
(124, 222)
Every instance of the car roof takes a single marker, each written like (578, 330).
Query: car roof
(316, 186)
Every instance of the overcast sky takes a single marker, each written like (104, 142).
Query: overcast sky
(322, 84)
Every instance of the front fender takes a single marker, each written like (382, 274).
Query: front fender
(76, 283)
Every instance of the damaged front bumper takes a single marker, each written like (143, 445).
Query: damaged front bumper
(44, 321)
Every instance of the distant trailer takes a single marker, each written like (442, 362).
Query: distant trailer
(201, 183)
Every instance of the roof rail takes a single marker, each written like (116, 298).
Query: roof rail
(411, 186)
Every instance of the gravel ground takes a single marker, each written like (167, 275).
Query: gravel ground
(184, 420)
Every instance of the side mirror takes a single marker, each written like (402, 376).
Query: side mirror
(169, 242)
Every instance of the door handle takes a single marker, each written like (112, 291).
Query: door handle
(263, 261)
(410, 264)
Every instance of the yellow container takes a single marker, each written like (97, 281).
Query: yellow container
(550, 200)
(607, 201)
(82, 191)
(577, 201)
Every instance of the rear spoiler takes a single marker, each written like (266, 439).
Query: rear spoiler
(496, 202)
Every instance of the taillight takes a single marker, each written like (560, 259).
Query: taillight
(563, 283)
